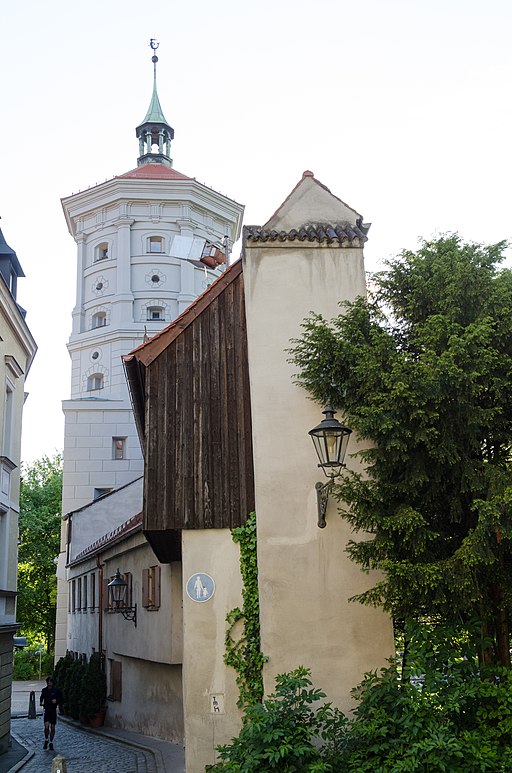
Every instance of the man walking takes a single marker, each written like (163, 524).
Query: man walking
(51, 697)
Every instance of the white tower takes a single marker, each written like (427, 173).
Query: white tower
(148, 243)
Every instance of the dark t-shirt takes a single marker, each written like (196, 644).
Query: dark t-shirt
(49, 694)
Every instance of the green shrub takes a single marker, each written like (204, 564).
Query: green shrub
(94, 688)
(73, 688)
(61, 669)
(282, 733)
(437, 713)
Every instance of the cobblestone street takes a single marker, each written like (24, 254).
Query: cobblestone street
(107, 750)
(84, 752)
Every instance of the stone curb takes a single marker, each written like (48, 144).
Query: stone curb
(18, 766)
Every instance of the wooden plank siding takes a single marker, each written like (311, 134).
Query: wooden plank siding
(197, 423)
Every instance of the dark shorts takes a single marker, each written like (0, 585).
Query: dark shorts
(50, 715)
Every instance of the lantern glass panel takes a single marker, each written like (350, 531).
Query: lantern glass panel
(117, 588)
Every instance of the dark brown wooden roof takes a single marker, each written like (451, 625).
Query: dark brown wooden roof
(191, 396)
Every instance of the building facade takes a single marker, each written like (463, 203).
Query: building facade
(148, 243)
(258, 427)
(17, 350)
(142, 646)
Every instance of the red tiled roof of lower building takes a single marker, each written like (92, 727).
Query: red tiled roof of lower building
(153, 172)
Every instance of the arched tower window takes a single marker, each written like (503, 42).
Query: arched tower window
(95, 381)
(155, 244)
(99, 319)
(101, 252)
(155, 313)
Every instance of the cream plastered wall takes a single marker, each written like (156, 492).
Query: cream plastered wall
(151, 700)
(305, 577)
(205, 676)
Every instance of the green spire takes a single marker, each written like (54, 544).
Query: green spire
(155, 113)
(154, 129)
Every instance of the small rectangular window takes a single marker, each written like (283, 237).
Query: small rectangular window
(151, 587)
(84, 593)
(118, 448)
(92, 595)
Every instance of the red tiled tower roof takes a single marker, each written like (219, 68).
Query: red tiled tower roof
(153, 172)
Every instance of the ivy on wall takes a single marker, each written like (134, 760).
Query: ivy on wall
(244, 654)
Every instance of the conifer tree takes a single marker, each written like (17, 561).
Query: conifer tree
(422, 371)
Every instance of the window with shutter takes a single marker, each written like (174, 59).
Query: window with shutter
(151, 588)
(106, 594)
(116, 680)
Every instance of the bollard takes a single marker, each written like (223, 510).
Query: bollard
(32, 705)
(59, 764)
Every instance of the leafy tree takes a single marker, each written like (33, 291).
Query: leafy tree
(39, 544)
(422, 370)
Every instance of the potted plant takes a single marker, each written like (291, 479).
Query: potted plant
(94, 691)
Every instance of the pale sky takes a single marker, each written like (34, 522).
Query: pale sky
(402, 108)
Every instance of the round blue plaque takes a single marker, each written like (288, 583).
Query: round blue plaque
(200, 587)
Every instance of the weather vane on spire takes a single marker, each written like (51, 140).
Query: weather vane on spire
(154, 45)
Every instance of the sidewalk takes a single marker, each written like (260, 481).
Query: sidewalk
(168, 757)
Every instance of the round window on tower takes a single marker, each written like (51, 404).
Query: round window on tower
(155, 278)
(99, 285)
(95, 355)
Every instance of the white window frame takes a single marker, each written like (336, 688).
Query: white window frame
(152, 310)
(95, 381)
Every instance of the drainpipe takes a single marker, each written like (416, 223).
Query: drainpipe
(100, 601)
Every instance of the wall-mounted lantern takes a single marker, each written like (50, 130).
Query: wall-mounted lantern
(117, 589)
(330, 439)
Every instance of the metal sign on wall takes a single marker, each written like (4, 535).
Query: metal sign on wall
(200, 587)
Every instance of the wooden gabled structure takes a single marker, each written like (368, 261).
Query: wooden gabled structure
(190, 393)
